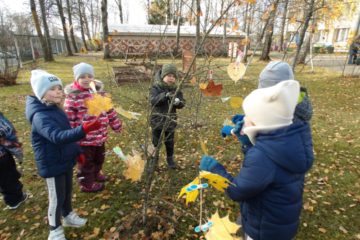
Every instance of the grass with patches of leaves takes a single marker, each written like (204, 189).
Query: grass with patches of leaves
(331, 199)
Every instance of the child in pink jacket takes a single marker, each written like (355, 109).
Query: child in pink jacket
(90, 163)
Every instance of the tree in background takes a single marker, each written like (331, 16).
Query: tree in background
(63, 23)
(104, 20)
(48, 56)
(157, 12)
(119, 5)
(71, 27)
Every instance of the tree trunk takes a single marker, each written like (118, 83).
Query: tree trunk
(119, 4)
(269, 33)
(176, 51)
(308, 16)
(305, 50)
(168, 13)
(245, 17)
(48, 53)
(72, 36)
(283, 22)
(87, 30)
(198, 11)
(38, 28)
(104, 18)
(248, 25)
(82, 26)
(63, 23)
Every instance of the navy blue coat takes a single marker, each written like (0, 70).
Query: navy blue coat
(52, 138)
(270, 184)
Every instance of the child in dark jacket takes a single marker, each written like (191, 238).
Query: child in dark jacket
(270, 184)
(161, 95)
(55, 148)
(93, 145)
(10, 185)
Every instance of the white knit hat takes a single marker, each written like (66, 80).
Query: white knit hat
(271, 108)
(83, 68)
(42, 81)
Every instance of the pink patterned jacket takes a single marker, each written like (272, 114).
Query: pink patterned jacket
(76, 111)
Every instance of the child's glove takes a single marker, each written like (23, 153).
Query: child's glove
(91, 126)
(177, 101)
(236, 131)
(236, 118)
(81, 158)
(226, 130)
(207, 163)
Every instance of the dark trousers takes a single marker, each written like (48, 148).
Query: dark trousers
(60, 194)
(168, 140)
(10, 185)
(87, 171)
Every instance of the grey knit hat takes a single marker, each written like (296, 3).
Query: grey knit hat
(275, 72)
(167, 69)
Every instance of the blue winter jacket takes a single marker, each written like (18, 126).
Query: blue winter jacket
(270, 184)
(52, 138)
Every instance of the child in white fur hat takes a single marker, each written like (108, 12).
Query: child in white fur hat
(89, 173)
(55, 148)
(271, 181)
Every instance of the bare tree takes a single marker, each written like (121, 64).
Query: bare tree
(71, 27)
(119, 5)
(198, 14)
(283, 23)
(104, 20)
(48, 53)
(179, 13)
(168, 12)
(82, 25)
(63, 23)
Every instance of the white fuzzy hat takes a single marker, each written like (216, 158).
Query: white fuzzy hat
(83, 68)
(271, 108)
(42, 81)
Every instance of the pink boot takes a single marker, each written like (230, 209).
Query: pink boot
(101, 178)
(94, 187)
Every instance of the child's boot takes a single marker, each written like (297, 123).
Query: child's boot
(57, 234)
(73, 220)
(101, 177)
(170, 162)
(92, 187)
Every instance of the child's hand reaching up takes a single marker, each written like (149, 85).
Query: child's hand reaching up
(91, 126)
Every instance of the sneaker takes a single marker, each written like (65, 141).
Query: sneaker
(24, 198)
(101, 178)
(57, 234)
(73, 220)
(94, 187)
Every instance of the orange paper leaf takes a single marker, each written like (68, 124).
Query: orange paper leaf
(211, 90)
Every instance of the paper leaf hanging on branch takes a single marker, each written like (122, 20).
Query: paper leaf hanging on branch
(190, 196)
(218, 182)
(222, 228)
(127, 114)
(98, 104)
(134, 167)
(211, 89)
(236, 71)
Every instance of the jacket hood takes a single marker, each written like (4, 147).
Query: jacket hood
(290, 147)
(34, 105)
(70, 89)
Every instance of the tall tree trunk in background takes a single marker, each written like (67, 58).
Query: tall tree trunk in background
(225, 47)
(63, 23)
(179, 13)
(308, 15)
(71, 27)
(87, 30)
(35, 18)
(82, 26)
(246, 17)
(198, 11)
(207, 13)
(104, 18)
(191, 13)
(168, 13)
(269, 33)
(283, 23)
(119, 4)
(248, 25)
(92, 18)
(48, 56)
(305, 49)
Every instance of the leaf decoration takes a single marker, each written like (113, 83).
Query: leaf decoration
(210, 89)
(236, 102)
(134, 167)
(218, 182)
(127, 114)
(236, 71)
(190, 196)
(225, 99)
(222, 228)
(98, 104)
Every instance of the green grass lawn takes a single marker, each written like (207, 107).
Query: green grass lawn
(332, 193)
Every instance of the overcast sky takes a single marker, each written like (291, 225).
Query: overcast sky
(134, 9)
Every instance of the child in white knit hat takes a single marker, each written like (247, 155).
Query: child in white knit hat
(55, 148)
(89, 174)
(271, 181)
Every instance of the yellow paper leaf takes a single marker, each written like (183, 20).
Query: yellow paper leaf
(218, 182)
(190, 196)
(98, 104)
(236, 71)
(236, 102)
(134, 167)
(222, 228)
(203, 85)
(203, 146)
(127, 114)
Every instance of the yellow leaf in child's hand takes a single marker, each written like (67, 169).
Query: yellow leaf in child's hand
(215, 180)
(190, 196)
(222, 228)
(134, 167)
(98, 104)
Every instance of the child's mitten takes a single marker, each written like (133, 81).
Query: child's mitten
(91, 126)
(81, 158)
(226, 130)
(237, 117)
(207, 163)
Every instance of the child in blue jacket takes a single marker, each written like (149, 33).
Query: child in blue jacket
(55, 148)
(270, 184)
(10, 185)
